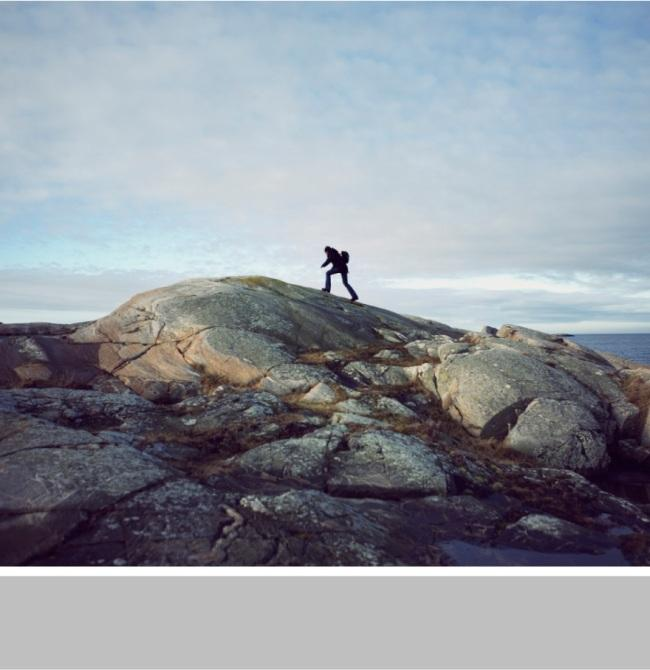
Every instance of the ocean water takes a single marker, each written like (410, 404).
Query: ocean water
(635, 346)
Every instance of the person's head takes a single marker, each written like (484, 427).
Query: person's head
(327, 249)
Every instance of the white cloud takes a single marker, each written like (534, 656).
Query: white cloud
(500, 282)
(444, 145)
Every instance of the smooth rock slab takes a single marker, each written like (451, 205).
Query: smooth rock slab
(19, 432)
(83, 478)
(237, 328)
(561, 434)
(385, 464)
(176, 523)
(300, 458)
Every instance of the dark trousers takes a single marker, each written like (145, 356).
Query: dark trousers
(344, 278)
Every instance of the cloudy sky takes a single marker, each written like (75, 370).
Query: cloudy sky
(483, 163)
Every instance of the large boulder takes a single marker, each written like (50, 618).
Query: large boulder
(560, 434)
(591, 369)
(487, 389)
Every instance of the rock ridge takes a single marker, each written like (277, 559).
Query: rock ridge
(247, 421)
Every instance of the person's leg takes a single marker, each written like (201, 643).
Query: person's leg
(353, 294)
(328, 281)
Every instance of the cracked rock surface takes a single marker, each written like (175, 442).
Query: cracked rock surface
(246, 421)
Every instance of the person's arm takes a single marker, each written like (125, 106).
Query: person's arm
(327, 262)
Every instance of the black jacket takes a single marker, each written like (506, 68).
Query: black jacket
(334, 257)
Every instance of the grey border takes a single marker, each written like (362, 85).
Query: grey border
(324, 622)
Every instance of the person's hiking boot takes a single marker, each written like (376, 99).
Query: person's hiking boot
(326, 290)
(354, 299)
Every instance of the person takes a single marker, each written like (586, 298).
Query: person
(339, 266)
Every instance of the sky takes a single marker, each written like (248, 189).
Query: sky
(483, 163)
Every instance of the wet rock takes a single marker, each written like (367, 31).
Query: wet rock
(460, 516)
(385, 464)
(542, 532)
(560, 433)
(461, 553)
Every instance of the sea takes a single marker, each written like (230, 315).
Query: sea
(635, 346)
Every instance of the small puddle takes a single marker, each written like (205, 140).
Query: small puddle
(634, 485)
(464, 553)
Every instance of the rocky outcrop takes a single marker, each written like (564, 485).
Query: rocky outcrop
(385, 464)
(561, 434)
(545, 396)
(236, 329)
(487, 388)
(245, 421)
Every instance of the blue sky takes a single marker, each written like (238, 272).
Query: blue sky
(482, 162)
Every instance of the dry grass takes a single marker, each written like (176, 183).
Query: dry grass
(236, 438)
(367, 355)
(637, 391)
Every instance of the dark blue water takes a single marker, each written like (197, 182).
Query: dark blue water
(635, 346)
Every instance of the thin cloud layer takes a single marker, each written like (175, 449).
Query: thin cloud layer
(440, 143)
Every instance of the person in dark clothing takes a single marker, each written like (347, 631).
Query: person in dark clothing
(339, 266)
